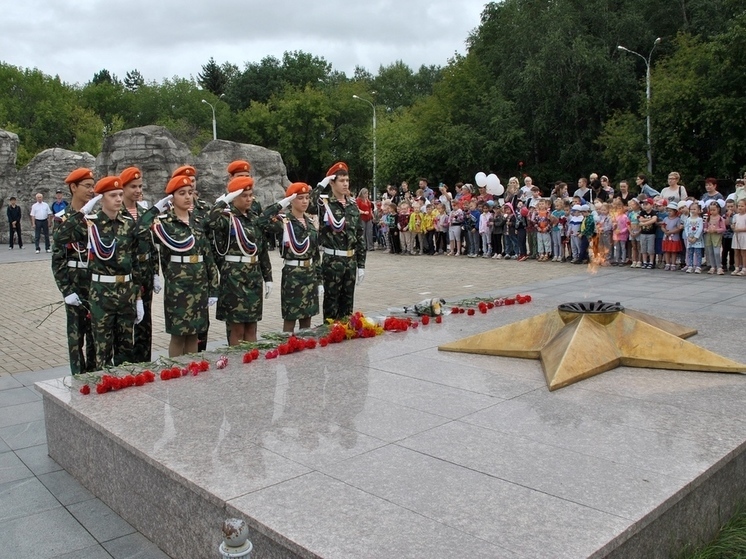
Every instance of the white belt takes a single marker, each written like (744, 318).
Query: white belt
(335, 252)
(191, 259)
(111, 279)
(298, 263)
(246, 259)
(76, 264)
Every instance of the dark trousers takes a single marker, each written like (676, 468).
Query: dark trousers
(141, 351)
(727, 259)
(15, 230)
(394, 241)
(339, 277)
(80, 339)
(497, 243)
(39, 228)
(521, 242)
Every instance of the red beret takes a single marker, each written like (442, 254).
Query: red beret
(130, 174)
(240, 183)
(297, 188)
(334, 169)
(79, 175)
(239, 166)
(176, 183)
(108, 184)
(184, 171)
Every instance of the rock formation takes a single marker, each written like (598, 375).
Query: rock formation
(8, 154)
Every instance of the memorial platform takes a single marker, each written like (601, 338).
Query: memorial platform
(387, 447)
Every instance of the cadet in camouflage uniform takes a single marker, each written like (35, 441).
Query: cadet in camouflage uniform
(341, 240)
(200, 210)
(70, 269)
(245, 268)
(301, 273)
(148, 257)
(113, 262)
(189, 271)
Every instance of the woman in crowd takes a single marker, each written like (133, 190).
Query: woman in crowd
(189, 271)
(366, 216)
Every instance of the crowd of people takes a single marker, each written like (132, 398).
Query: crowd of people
(669, 230)
(109, 263)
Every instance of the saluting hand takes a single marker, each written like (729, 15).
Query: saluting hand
(89, 205)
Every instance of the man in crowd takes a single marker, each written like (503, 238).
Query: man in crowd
(14, 223)
(41, 215)
(59, 203)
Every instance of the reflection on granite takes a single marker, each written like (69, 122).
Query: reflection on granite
(388, 448)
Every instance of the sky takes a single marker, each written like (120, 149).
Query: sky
(164, 38)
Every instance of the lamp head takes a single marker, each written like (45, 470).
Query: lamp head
(204, 101)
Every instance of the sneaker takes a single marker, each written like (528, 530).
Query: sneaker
(667, 267)
(697, 270)
(498, 256)
(48, 251)
(522, 258)
(689, 270)
(742, 272)
(37, 251)
(711, 271)
(720, 272)
(10, 248)
(735, 271)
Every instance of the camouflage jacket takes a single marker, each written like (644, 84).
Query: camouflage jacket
(148, 251)
(276, 220)
(68, 259)
(340, 226)
(220, 222)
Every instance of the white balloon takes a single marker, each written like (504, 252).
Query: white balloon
(480, 178)
(493, 185)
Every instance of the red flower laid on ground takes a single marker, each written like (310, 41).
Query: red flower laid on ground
(425, 320)
(247, 357)
(204, 366)
(438, 319)
(85, 389)
(222, 362)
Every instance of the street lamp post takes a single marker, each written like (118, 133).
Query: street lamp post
(374, 141)
(647, 96)
(214, 122)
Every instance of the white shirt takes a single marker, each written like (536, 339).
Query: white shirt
(40, 211)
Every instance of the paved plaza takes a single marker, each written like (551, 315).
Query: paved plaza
(35, 493)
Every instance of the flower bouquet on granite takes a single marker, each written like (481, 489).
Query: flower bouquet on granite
(482, 305)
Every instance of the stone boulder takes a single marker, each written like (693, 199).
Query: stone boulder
(8, 154)
(267, 168)
(153, 149)
(47, 172)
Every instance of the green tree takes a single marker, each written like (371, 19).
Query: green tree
(213, 77)
(133, 80)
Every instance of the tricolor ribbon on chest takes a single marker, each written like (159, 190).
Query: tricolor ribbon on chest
(245, 245)
(97, 246)
(289, 239)
(337, 225)
(169, 242)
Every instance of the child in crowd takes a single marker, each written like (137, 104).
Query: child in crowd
(633, 214)
(693, 230)
(738, 224)
(383, 228)
(605, 228)
(714, 225)
(441, 229)
(472, 229)
(541, 219)
(510, 234)
(428, 227)
(415, 228)
(671, 227)
(392, 220)
(573, 231)
(661, 212)
(620, 233)
(520, 228)
(648, 220)
(486, 220)
(558, 219)
(498, 226)
(683, 208)
(727, 257)
(405, 235)
(587, 231)
(456, 220)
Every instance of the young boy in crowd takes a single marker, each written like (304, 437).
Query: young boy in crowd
(558, 219)
(405, 235)
(573, 231)
(428, 229)
(486, 220)
(543, 226)
(648, 220)
(605, 227)
(415, 228)
(498, 226)
(587, 232)
(472, 229)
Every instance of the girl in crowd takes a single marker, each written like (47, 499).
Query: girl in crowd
(714, 229)
(693, 230)
(366, 216)
(189, 271)
(671, 227)
(738, 224)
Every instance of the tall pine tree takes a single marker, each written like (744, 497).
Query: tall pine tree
(213, 78)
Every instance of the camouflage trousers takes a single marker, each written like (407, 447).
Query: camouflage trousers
(299, 295)
(113, 318)
(144, 331)
(80, 339)
(338, 274)
(241, 295)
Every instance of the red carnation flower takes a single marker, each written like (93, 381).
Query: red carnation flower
(454, 310)
(204, 366)
(490, 305)
(438, 319)
(272, 354)
(311, 343)
(166, 374)
(510, 301)
(247, 357)
(415, 324)
(470, 312)
(283, 349)
(323, 342)
(255, 353)
(85, 389)
(462, 311)
(222, 362)
(101, 388)
(425, 320)
(140, 379)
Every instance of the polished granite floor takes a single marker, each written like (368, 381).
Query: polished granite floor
(389, 448)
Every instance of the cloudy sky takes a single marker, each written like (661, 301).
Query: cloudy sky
(165, 38)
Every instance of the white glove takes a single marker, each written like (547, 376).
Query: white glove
(321, 290)
(157, 283)
(140, 311)
(267, 288)
(90, 203)
(162, 204)
(211, 301)
(73, 300)
(285, 202)
(360, 275)
(228, 198)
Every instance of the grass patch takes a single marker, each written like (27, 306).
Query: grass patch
(729, 543)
